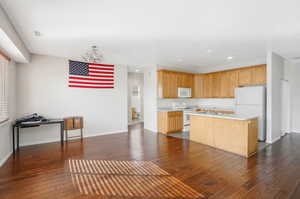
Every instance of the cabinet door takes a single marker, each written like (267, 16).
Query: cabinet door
(184, 80)
(225, 87)
(259, 75)
(172, 85)
(188, 80)
(216, 85)
(228, 84)
(167, 84)
(175, 121)
(208, 85)
(198, 88)
(180, 80)
(245, 77)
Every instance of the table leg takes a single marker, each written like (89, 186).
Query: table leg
(18, 138)
(13, 138)
(62, 133)
(81, 133)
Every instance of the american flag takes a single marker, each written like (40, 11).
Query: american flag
(90, 75)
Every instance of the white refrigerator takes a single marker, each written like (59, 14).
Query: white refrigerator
(252, 100)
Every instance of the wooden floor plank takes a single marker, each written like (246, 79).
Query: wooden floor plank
(43, 171)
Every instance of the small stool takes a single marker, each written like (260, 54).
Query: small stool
(73, 123)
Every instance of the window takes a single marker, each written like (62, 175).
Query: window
(3, 89)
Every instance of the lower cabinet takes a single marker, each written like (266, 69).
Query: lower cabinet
(235, 136)
(170, 121)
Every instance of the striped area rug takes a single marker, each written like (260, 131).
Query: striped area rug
(142, 179)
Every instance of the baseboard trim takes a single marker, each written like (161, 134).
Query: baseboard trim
(2, 162)
(274, 140)
(149, 129)
(84, 136)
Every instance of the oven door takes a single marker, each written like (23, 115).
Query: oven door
(186, 119)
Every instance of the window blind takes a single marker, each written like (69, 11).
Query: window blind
(3, 89)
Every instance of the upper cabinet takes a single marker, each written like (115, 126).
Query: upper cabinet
(210, 85)
(170, 81)
(229, 81)
(255, 75)
(215, 85)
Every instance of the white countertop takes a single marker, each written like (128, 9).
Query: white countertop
(226, 116)
(191, 109)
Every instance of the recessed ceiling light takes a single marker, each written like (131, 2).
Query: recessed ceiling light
(37, 33)
(137, 70)
(229, 58)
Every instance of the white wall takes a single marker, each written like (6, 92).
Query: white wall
(292, 76)
(275, 71)
(5, 130)
(150, 98)
(43, 88)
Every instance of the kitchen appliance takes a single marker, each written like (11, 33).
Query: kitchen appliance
(186, 119)
(184, 92)
(252, 101)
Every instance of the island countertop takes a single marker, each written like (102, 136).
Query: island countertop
(225, 116)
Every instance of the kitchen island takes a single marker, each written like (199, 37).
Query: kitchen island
(229, 132)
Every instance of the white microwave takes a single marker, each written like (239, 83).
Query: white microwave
(184, 92)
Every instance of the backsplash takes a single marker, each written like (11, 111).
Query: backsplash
(168, 103)
(227, 104)
(216, 102)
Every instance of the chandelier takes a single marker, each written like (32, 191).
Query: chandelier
(93, 55)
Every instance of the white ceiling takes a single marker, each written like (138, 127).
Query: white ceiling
(164, 32)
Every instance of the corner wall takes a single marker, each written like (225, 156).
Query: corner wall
(150, 98)
(292, 76)
(5, 129)
(275, 73)
(43, 88)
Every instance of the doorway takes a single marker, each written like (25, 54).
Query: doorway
(135, 96)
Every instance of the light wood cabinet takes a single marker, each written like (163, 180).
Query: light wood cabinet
(210, 85)
(236, 136)
(228, 83)
(170, 121)
(198, 87)
(170, 81)
(215, 85)
(167, 84)
(255, 75)
(259, 75)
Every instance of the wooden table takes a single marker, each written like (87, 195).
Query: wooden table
(27, 125)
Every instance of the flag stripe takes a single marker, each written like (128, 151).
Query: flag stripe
(79, 86)
(92, 76)
(96, 83)
(96, 68)
(82, 78)
(110, 76)
(101, 65)
(101, 72)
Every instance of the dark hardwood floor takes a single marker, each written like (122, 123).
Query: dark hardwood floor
(40, 171)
